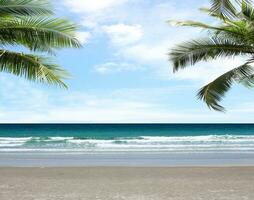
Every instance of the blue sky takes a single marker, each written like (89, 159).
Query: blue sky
(122, 73)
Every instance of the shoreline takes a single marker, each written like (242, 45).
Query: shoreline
(126, 159)
(127, 183)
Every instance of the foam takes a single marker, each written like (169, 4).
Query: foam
(209, 143)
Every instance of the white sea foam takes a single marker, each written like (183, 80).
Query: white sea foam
(209, 143)
(13, 141)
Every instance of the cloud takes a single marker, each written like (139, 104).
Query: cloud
(137, 30)
(208, 71)
(13, 97)
(138, 38)
(122, 34)
(111, 67)
(34, 104)
(89, 6)
(145, 53)
(83, 36)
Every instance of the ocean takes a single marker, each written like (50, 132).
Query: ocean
(127, 137)
(95, 143)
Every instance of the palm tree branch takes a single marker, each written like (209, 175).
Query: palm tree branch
(218, 29)
(247, 11)
(213, 92)
(25, 7)
(32, 67)
(223, 8)
(189, 53)
(213, 14)
(39, 33)
(193, 24)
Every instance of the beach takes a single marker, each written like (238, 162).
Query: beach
(120, 183)
(127, 162)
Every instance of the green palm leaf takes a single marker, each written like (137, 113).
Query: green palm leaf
(223, 8)
(231, 28)
(30, 23)
(213, 92)
(24, 7)
(32, 67)
(234, 36)
(39, 34)
(226, 8)
(248, 11)
(193, 24)
(189, 53)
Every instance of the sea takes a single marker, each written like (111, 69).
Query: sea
(126, 144)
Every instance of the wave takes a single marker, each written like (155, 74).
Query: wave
(207, 143)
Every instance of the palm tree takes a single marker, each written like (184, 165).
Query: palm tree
(234, 36)
(29, 25)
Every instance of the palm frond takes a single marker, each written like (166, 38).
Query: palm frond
(232, 37)
(213, 92)
(25, 7)
(247, 11)
(226, 9)
(39, 33)
(229, 29)
(213, 14)
(189, 53)
(32, 67)
(248, 81)
(223, 8)
(190, 23)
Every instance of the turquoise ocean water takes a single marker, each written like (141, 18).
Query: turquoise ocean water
(97, 138)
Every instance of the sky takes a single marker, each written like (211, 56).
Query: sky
(122, 73)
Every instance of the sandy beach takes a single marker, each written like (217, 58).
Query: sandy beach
(120, 183)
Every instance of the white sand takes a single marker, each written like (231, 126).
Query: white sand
(126, 183)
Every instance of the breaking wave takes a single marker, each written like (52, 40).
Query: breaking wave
(208, 143)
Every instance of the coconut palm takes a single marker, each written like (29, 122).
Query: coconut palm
(234, 36)
(29, 25)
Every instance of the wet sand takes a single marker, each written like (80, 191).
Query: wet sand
(130, 183)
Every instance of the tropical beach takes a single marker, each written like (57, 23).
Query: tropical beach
(114, 161)
(123, 99)
(232, 183)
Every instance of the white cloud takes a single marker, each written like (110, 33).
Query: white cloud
(89, 24)
(140, 38)
(148, 43)
(122, 34)
(119, 111)
(83, 36)
(18, 93)
(33, 104)
(92, 6)
(137, 29)
(146, 53)
(208, 71)
(37, 105)
(111, 67)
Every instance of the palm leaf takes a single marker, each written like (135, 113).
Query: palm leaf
(189, 53)
(213, 14)
(248, 11)
(30, 23)
(190, 23)
(213, 92)
(223, 8)
(234, 36)
(234, 30)
(24, 7)
(217, 29)
(226, 9)
(39, 34)
(32, 67)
